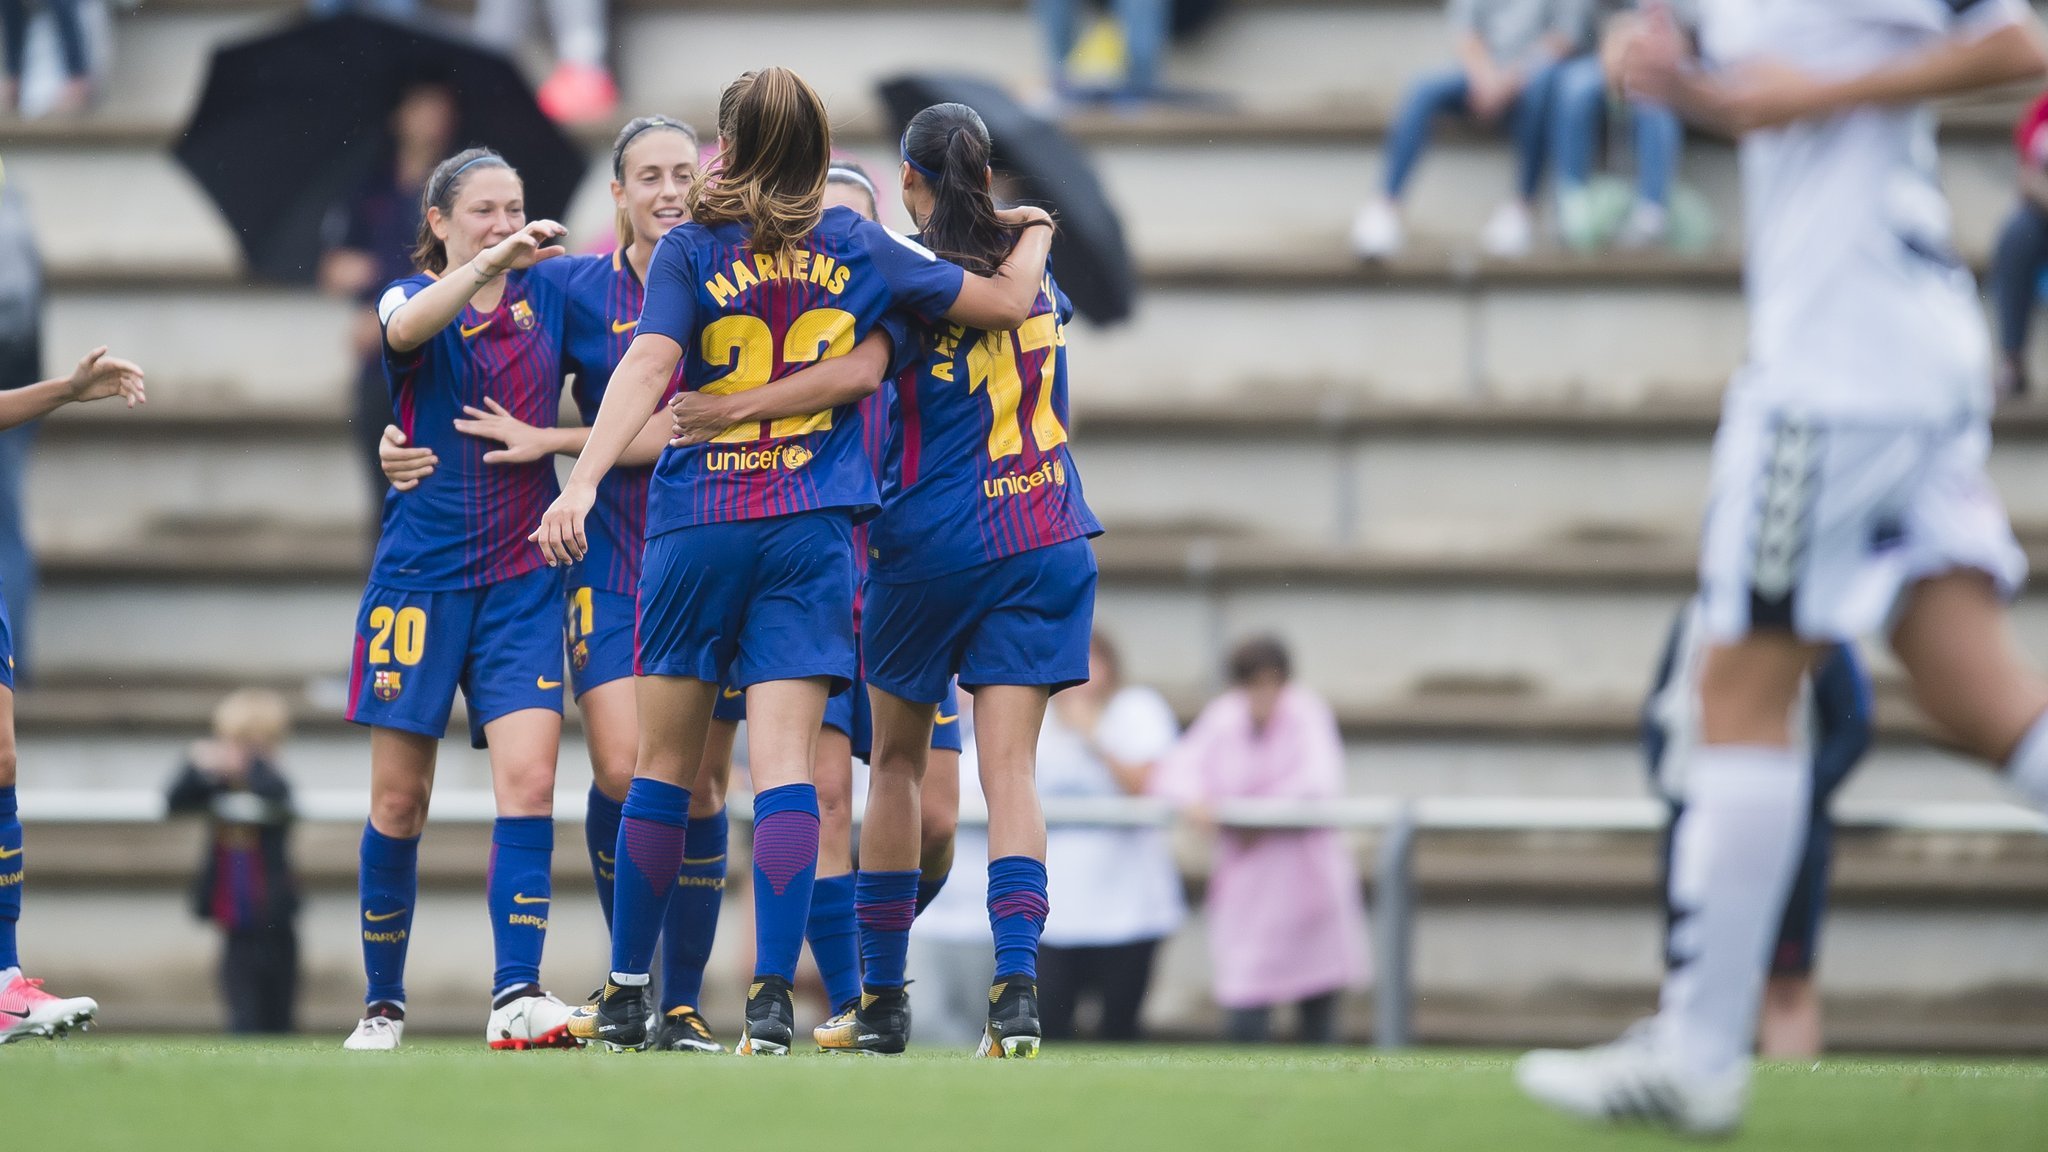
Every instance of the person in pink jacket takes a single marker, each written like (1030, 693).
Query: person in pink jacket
(1286, 922)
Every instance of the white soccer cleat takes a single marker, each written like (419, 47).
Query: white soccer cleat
(375, 1034)
(1511, 232)
(1376, 232)
(540, 1021)
(1636, 1080)
(26, 1010)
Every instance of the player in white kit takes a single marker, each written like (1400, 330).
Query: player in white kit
(1849, 495)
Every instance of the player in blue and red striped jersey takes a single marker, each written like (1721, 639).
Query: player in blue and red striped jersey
(456, 600)
(832, 931)
(979, 568)
(748, 576)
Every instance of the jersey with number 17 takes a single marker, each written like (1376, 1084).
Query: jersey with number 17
(977, 466)
(744, 319)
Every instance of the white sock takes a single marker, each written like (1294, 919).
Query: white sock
(2028, 768)
(630, 979)
(1733, 855)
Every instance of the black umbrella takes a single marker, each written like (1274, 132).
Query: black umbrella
(1089, 254)
(292, 121)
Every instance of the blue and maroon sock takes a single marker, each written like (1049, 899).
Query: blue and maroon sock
(387, 885)
(518, 890)
(601, 817)
(785, 870)
(1016, 913)
(928, 888)
(835, 939)
(649, 858)
(13, 867)
(692, 924)
(885, 903)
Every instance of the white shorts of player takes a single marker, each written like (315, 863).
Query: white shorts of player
(1821, 524)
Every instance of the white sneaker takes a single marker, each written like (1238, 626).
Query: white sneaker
(1510, 233)
(26, 1010)
(1376, 233)
(1636, 1079)
(531, 1022)
(375, 1034)
(1648, 226)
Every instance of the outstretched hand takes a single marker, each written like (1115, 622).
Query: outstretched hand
(523, 249)
(522, 441)
(99, 376)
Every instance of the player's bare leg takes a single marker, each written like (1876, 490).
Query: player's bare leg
(1955, 639)
(1007, 719)
(938, 813)
(1790, 1028)
(25, 1009)
(611, 730)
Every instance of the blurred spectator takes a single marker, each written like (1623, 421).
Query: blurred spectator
(1286, 923)
(1585, 95)
(245, 883)
(369, 238)
(2021, 257)
(580, 90)
(1508, 56)
(1143, 26)
(21, 362)
(75, 96)
(389, 9)
(1838, 729)
(1115, 892)
(952, 950)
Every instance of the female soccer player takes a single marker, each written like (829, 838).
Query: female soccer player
(25, 1009)
(748, 576)
(1849, 491)
(832, 930)
(979, 568)
(455, 598)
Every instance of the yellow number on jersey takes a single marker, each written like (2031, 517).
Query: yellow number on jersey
(747, 346)
(992, 363)
(404, 630)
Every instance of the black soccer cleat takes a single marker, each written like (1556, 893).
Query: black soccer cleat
(616, 1017)
(1013, 1030)
(878, 1026)
(771, 1019)
(685, 1030)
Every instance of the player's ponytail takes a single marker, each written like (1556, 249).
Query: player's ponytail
(949, 146)
(428, 253)
(771, 170)
(635, 128)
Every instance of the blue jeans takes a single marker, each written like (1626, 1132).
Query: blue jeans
(1144, 23)
(390, 9)
(17, 562)
(2016, 266)
(70, 35)
(1449, 93)
(1579, 112)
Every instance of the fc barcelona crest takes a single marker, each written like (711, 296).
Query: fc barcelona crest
(385, 684)
(522, 315)
(579, 654)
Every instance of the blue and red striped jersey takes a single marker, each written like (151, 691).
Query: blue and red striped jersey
(977, 466)
(605, 296)
(743, 320)
(466, 524)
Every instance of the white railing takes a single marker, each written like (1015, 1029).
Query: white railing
(1397, 821)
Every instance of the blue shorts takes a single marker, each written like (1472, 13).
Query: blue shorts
(599, 629)
(501, 644)
(1024, 619)
(748, 601)
(731, 706)
(851, 713)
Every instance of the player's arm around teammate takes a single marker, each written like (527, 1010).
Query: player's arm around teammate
(25, 1009)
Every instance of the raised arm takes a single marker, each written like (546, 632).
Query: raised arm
(1003, 301)
(699, 416)
(96, 377)
(630, 398)
(436, 306)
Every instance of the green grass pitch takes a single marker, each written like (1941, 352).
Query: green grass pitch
(146, 1095)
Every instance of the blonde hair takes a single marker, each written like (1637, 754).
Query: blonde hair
(253, 717)
(772, 168)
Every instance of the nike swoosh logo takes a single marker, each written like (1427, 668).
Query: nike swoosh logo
(621, 327)
(953, 719)
(544, 683)
(6, 855)
(604, 859)
(468, 332)
(16, 1015)
(518, 898)
(734, 693)
(374, 918)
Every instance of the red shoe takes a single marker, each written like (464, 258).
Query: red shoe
(26, 1010)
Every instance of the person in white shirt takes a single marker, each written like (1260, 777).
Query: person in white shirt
(1849, 493)
(1115, 891)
